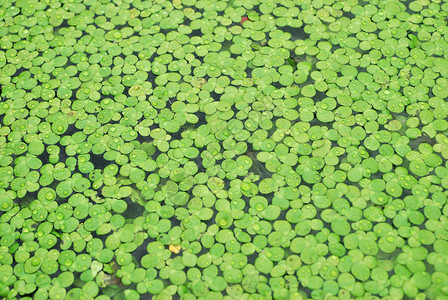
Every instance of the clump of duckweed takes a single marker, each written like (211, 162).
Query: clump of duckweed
(223, 149)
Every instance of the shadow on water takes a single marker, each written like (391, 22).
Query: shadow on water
(258, 168)
(133, 210)
(296, 33)
(99, 161)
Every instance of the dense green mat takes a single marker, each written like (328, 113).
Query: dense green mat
(237, 149)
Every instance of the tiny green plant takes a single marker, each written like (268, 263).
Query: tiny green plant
(223, 149)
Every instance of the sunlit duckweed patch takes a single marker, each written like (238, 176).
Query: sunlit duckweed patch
(223, 149)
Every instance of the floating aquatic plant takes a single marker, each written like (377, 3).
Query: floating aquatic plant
(229, 149)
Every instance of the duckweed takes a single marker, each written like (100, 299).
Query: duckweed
(192, 149)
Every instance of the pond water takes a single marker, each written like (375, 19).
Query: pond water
(252, 149)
